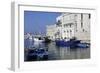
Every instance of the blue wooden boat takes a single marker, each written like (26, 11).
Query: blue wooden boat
(34, 54)
(70, 43)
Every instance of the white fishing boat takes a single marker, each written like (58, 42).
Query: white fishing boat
(37, 40)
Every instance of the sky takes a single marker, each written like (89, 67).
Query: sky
(36, 21)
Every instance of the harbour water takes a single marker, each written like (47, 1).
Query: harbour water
(55, 52)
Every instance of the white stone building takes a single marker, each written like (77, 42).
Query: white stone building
(69, 25)
(50, 31)
(82, 27)
(65, 26)
(74, 25)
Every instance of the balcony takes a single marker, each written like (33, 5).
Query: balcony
(58, 23)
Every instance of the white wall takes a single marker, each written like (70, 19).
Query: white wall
(5, 27)
(50, 31)
(80, 34)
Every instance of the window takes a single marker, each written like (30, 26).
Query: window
(76, 24)
(70, 25)
(67, 31)
(70, 30)
(58, 22)
(81, 20)
(89, 16)
(75, 15)
(64, 25)
(64, 31)
(83, 30)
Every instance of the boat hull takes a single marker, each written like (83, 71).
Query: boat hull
(69, 43)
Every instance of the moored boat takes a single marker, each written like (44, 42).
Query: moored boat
(37, 40)
(83, 45)
(47, 40)
(36, 54)
(68, 43)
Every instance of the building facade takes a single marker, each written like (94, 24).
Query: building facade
(50, 31)
(65, 26)
(69, 25)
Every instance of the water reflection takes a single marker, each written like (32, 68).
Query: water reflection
(57, 53)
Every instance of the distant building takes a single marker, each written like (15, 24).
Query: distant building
(51, 30)
(28, 36)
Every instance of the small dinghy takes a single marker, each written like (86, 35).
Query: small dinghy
(83, 45)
